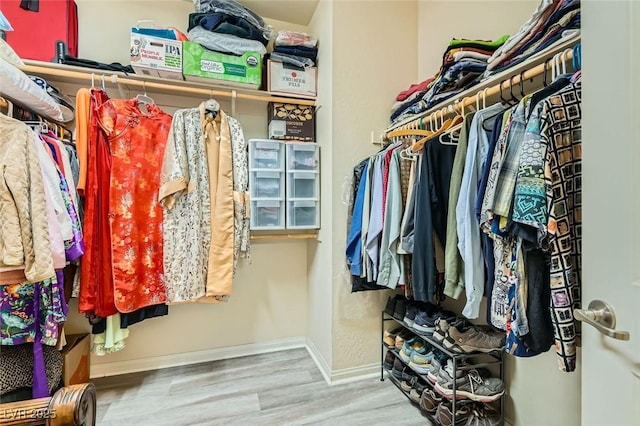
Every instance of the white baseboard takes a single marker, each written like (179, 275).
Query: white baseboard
(342, 376)
(176, 360)
(321, 363)
(348, 375)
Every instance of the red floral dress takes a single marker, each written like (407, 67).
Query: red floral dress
(137, 141)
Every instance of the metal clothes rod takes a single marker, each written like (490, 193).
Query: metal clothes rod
(494, 90)
(57, 71)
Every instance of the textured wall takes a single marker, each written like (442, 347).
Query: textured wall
(374, 58)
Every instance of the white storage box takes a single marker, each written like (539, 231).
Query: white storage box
(155, 56)
(288, 80)
(265, 154)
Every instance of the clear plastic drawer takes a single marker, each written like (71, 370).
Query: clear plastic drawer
(303, 214)
(303, 156)
(267, 214)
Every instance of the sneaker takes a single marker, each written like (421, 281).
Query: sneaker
(389, 360)
(464, 337)
(389, 338)
(424, 319)
(390, 307)
(429, 401)
(397, 369)
(444, 414)
(439, 359)
(483, 416)
(409, 379)
(421, 363)
(400, 338)
(412, 346)
(416, 391)
(410, 314)
(441, 326)
(474, 387)
(400, 309)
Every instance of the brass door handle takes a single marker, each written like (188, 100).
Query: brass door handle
(601, 316)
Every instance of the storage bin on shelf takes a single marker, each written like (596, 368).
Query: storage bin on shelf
(267, 184)
(303, 185)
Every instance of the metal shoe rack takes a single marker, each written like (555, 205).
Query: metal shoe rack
(458, 359)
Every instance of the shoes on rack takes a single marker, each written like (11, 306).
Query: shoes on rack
(397, 369)
(410, 314)
(464, 337)
(409, 379)
(389, 360)
(429, 400)
(401, 337)
(482, 415)
(421, 363)
(416, 391)
(441, 326)
(411, 346)
(400, 308)
(472, 386)
(439, 359)
(390, 307)
(444, 413)
(423, 321)
(389, 337)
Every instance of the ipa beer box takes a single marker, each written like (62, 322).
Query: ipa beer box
(291, 122)
(203, 65)
(155, 56)
(289, 80)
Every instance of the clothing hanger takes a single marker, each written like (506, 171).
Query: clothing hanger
(93, 82)
(544, 74)
(143, 98)
(104, 86)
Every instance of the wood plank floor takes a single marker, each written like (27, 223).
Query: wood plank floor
(280, 388)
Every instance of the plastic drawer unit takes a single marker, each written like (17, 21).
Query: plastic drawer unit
(267, 184)
(303, 185)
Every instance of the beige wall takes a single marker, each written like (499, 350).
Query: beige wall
(374, 58)
(537, 393)
(270, 295)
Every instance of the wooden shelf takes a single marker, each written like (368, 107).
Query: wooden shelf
(283, 235)
(87, 76)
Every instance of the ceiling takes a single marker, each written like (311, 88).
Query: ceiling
(295, 11)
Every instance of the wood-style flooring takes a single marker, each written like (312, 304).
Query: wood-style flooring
(280, 388)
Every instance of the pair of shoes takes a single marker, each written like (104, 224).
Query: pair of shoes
(426, 318)
(392, 304)
(429, 400)
(389, 360)
(389, 337)
(397, 369)
(421, 363)
(476, 386)
(416, 391)
(464, 337)
(444, 413)
(401, 337)
(409, 379)
(483, 415)
(412, 346)
(439, 361)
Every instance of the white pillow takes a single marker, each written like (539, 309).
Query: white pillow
(8, 54)
(17, 86)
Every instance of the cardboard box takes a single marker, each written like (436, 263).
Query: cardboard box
(76, 358)
(290, 80)
(203, 65)
(291, 122)
(155, 56)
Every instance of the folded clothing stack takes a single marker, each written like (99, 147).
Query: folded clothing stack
(463, 64)
(551, 22)
(228, 27)
(295, 48)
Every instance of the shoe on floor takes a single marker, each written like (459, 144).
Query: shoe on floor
(389, 360)
(389, 337)
(474, 387)
(464, 337)
(444, 413)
